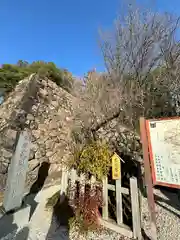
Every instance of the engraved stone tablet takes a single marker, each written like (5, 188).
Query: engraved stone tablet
(17, 173)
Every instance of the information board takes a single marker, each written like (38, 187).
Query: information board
(164, 147)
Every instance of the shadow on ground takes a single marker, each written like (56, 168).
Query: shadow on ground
(8, 229)
(172, 199)
(22, 234)
(59, 228)
(36, 187)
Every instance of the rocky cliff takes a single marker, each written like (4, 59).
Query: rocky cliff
(48, 112)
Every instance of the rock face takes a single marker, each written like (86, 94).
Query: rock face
(47, 111)
(120, 138)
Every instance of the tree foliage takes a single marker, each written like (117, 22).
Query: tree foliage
(11, 74)
(142, 56)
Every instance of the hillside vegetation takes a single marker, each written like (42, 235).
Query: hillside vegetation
(11, 74)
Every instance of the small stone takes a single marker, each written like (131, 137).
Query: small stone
(68, 119)
(36, 133)
(33, 125)
(38, 154)
(34, 147)
(56, 157)
(42, 126)
(49, 144)
(58, 146)
(44, 82)
(53, 133)
(55, 168)
(32, 154)
(3, 178)
(122, 145)
(123, 136)
(10, 139)
(109, 135)
(3, 167)
(137, 138)
(43, 93)
(11, 134)
(30, 117)
(41, 141)
(43, 151)
(53, 125)
(34, 109)
(6, 154)
(52, 84)
(113, 124)
(116, 134)
(55, 104)
(33, 164)
(27, 122)
(44, 159)
(49, 154)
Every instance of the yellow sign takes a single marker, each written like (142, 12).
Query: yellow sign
(116, 167)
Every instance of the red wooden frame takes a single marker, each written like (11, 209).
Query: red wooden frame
(148, 178)
(151, 154)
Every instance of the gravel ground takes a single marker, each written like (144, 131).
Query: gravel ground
(32, 232)
(105, 235)
(44, 227)
(61, 233)
(167, 215)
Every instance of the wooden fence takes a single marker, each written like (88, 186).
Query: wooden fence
(70, 178)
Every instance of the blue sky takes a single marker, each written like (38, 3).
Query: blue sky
(62, 31)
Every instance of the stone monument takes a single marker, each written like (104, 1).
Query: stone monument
(17, 173)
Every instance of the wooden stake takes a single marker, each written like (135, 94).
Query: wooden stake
(105, 199)
(135, 208)
(73, 177)
(148, 178)
(119, 202)
(64, 184)
(82, 186)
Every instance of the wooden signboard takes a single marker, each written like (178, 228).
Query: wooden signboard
(116, 167)
(148, 178)
(164, 151)
(160, 140)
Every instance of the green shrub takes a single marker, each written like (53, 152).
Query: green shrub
(94, 159)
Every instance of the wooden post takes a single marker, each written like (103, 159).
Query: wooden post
(64, 183)
(135, 209)
(82, 186)
(93, 186)
(148, 178)
(72, 186)
(119, 209)
(105, 199)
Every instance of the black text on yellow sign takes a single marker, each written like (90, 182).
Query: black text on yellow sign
(116, 167)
